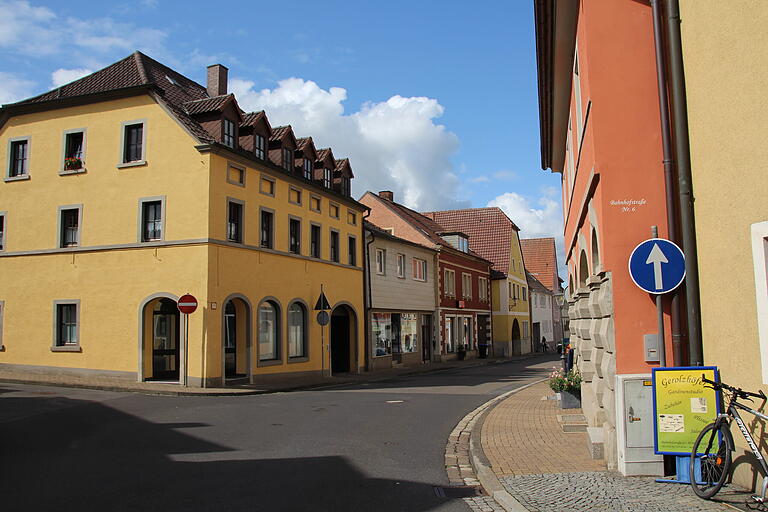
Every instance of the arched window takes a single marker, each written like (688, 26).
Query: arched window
(297, 330)
(269, 331)
(230, 325)
(583, 269)
(595, 253)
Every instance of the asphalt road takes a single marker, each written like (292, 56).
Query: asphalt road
(366, 447)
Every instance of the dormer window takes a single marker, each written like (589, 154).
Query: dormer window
(345, 186)
(287, 159)
(308, 168)
(463, 244)
(229, 133)
(327, 178)
(258, 146)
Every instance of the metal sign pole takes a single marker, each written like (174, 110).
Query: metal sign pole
(660, 315)
(186, 349)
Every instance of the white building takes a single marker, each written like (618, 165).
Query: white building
(543, 305)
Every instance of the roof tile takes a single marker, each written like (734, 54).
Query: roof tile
(540, 258)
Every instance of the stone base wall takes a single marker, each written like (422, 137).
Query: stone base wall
(590, 313)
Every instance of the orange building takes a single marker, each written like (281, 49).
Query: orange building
(601, 129)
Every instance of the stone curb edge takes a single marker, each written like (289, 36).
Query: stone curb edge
(465, 461)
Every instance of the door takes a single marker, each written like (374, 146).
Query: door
(165, 346)
(397, 347)
(482, 329)
(536, 337)
(230, 340)
(426, 338)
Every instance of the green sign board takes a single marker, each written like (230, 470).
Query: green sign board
(682, 407)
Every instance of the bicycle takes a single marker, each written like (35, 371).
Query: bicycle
(714, 445)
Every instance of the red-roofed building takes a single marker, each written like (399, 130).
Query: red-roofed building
(462, 276)
(540, 258)
(494, 236)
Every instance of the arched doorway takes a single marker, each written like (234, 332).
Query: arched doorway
(516, 341)
(162, 340)
(236, 339)
(343, 339)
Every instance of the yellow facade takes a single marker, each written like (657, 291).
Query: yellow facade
(510, 304)
(726, 67)
(114, 275)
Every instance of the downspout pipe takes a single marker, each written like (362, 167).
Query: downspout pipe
(669, 173)
(684, 177)
(367, 292)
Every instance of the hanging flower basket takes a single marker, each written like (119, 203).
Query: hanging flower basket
(73, 164)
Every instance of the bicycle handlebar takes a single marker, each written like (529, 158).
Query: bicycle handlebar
(739, 392)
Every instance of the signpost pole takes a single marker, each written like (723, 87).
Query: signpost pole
(660, 315)
(186, 349)
(187, 305)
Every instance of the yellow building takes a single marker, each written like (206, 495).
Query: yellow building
(725, 59)
(134, 185)
(495, 237)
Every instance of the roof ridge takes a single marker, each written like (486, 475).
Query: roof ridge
(210, 98)
(138, 58)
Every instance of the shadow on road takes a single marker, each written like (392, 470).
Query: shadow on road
(88, 456)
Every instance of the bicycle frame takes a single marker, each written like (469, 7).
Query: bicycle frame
(733, 411)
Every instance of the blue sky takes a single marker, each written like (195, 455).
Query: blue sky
(434, 100)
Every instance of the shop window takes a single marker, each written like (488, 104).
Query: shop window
(449, 334)
(409, 332)
(269, 331)
(297, 330)
(467, 338)
(381, 325)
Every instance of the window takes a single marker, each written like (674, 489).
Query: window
(466, 286)
(419, 269)
(525, 293)
(229, 133)
(18, 165)
(525, 329)
(234, 221)
(258, 146)
(401, 265)
(352, 251)
(335, 246)
(334, 210)
(482, 285)
(2, 231)
(269, 331)
(267, 186)
(66, 320)
(463, 244)
(352, 217)
(267, 219)
(381, 261)
(327, 178)
(69, 224)
(466, 333)
(287, 159)
(449, 334)
(307, 168)
(2, 308)
(409, 332)
(314, 241)
(345, 187)
(294, 196)
(449, 283)
(314, 203)
(151, 220)
(511, 295)
(297, 330)
(133, 143)
(294, 236)
(74, 150)
(235, 175)
(381, 326)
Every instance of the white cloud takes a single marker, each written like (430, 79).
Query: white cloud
(64, 76)
(392, 145)
(505, 175)
(13, 88)
(541, 222)
(480, 179)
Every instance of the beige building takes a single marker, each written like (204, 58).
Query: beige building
(400, 300)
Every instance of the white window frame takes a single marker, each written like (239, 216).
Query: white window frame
(59, 226)
(482, 288)
(224, 135)
(466, 291)
(419, 269)
(401, 265)
(449, 283)
(259, 146)
(143, 159)
(381, 262)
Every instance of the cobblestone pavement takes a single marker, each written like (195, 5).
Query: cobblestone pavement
(594, 491)
(483, 504)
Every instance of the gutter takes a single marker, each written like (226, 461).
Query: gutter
(367, 300)
(684, 177)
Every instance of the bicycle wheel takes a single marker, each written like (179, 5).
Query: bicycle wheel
(713, 449)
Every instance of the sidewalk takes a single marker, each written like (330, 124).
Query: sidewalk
(287, 383)
(524, 459)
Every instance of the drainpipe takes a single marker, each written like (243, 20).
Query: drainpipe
(669, 174)
(685, 188)
(367, 294)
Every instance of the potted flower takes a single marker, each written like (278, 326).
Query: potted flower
(568, 385)
(73, 163)
(461, 351)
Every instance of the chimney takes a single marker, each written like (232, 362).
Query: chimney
(217, 80)
(388, 195)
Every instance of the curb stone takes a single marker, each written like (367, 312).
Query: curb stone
(465, 462)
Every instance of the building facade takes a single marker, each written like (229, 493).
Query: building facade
(543, 304)
(540, 257)
(495, 237)
(134, 185)
(462, 277)
(401, 300)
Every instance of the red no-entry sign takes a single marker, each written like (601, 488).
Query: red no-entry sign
(187, 304)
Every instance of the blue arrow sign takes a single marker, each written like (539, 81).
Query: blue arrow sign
(657, 266)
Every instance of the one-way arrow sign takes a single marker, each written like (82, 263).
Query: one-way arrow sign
(657, 265)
